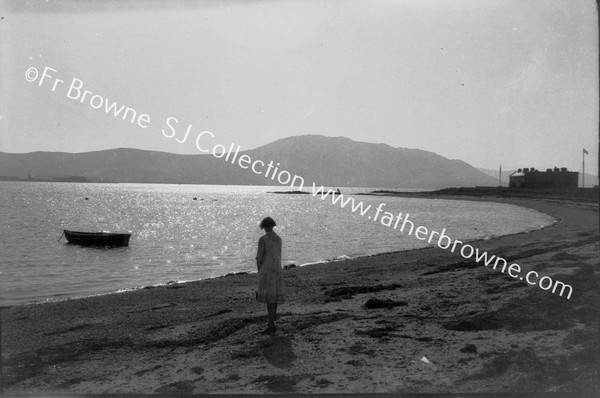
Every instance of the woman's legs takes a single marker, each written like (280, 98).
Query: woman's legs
(272, 310)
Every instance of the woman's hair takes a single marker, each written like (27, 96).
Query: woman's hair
(267, 222)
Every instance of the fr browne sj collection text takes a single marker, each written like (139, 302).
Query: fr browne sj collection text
(76, 91)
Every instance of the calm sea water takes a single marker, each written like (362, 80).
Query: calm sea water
(176, 238)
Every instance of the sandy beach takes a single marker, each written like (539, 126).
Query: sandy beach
(422, 321)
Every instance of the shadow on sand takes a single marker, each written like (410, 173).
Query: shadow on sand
(278, 351)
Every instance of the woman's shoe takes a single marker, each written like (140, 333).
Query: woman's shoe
(269, 329)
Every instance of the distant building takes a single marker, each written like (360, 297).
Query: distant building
(556, 178)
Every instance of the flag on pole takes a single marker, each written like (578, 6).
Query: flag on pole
(585, 152)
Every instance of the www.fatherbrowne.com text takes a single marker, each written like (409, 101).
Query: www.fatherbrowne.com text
(443, 241)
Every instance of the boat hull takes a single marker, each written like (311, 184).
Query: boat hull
(112, 239)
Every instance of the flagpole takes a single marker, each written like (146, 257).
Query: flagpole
(500, 176)
(583, 168)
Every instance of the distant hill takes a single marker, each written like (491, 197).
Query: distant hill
(329, 161)
(339, 161)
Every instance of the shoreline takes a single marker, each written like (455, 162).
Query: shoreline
(419, 195)
(200, 337)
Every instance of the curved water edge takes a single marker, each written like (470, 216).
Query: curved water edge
(319, 262)
(291, 266)
(315, 232)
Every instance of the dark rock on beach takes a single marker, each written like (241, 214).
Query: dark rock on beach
(469, 349)
(375, 303)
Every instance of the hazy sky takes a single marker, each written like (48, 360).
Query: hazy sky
(484, 81)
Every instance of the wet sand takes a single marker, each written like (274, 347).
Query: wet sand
(414, 322)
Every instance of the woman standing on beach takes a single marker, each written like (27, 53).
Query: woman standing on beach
(270, 276)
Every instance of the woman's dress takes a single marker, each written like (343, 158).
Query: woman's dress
(270, 276)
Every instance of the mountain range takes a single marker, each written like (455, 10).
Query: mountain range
(328, 161)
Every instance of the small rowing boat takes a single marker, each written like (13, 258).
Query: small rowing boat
(98, 238)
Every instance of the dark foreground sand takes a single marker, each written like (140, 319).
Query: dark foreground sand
(479, 330)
